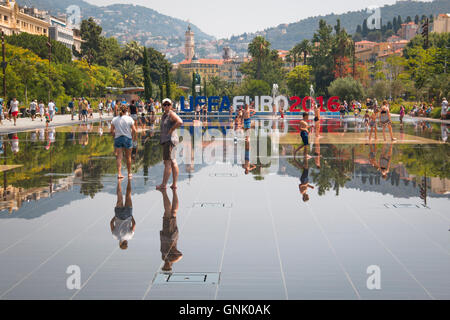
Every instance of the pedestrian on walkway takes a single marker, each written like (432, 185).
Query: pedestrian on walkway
(14, 108)
(51, 109)
(33, 107)
(41, 107)
(444, 109)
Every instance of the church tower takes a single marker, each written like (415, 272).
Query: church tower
(189, 50)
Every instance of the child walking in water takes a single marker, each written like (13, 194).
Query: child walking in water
(373, 124)
(304, 134)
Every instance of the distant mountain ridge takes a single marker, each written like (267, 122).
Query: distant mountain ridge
(127, 22)
(286, 36)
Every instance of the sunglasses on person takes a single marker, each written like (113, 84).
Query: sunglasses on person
(166, 104)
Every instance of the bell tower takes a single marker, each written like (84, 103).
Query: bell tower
(189, 46)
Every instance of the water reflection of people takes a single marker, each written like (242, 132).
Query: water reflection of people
(123, 224)
(304, 179)
(444, 132)
(15, 143)
(248, 167)
(169, 233)
(385, 160)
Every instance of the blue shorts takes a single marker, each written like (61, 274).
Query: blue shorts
(304, 135)
(247, 123)
(123, 142)
(84, 112)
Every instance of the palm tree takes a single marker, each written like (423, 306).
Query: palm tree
(305, 48)
(134, 51)
(259, 49)
(132, 74)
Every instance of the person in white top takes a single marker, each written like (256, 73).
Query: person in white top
(14, 106)
(41, 110)
(124, 131)
(51, 109)
(123, 224)
(33, 107)
(100, 109)
(444, 109)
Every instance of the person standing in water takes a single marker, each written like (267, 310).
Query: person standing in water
(124, 132)
(385, 120)
(304, 134)
(373, 124)
(402, 114)
(123, 224)
(170, 121)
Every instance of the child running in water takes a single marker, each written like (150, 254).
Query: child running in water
(304, 134)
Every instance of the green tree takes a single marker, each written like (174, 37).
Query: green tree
(148, 90)
(168, 82)
(299, 80)
(253, 88)
(322, 59)
(347, 89)
(131, 73)
(91, 35)
(38, 45)
(133, 51)
(259, 49)
(111, 52)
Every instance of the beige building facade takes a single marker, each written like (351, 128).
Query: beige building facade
(14, 20)
(441, 23)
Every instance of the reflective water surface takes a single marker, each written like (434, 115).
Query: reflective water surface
(251, 218)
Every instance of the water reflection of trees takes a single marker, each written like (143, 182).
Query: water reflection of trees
(41, 166)
(336, 166)
(341, 163)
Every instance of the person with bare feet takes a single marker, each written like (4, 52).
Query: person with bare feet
(304, 134)
(123, 224)
(124, 132)
(385, 120)
(373, 124)
(169, 233)
(170, 121)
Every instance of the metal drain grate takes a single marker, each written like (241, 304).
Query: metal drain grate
(223, 175)
(405, 206)
(187, 278)
(212, 205)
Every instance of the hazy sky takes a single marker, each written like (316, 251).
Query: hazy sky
(225, 18)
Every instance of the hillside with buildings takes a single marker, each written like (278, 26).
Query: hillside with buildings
(127, 22)
(286, 36)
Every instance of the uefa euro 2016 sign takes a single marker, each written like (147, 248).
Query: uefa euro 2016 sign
(261, 104)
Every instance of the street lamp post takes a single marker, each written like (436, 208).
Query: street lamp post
(49, 45)
(4, 64)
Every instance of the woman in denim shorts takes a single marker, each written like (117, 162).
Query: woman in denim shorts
(124, 131)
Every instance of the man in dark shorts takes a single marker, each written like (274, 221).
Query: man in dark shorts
(170, 121)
